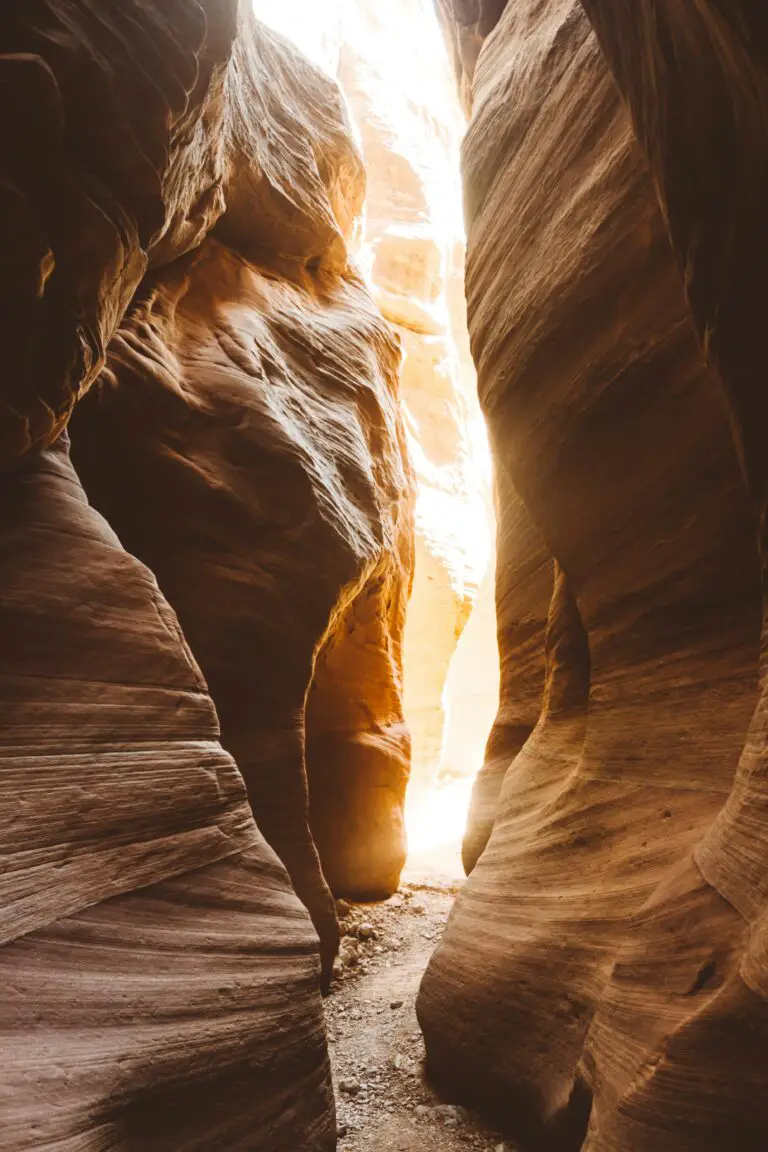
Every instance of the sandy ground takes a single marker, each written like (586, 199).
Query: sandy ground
(384, 1103)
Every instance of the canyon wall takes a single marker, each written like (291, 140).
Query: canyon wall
(179, 188)
(160, 976)
(600, 981)
(403, 102)
(246, 443)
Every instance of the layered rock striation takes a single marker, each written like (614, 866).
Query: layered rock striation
(599, 980)
(403, 101)
(179, 189)
(160, 975)
(246, 443)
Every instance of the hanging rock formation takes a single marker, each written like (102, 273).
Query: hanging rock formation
(245, 440)
(601, 979)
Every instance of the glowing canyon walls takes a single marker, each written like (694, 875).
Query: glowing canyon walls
(601, 979)
(391, 63)
(179, 190)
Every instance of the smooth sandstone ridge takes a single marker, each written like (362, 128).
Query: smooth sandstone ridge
(601, 982)
(179, 189)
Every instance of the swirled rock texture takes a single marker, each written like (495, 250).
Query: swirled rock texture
(246, 443)
(692, 1076)
(601, 978)
(403, 100)
(111, 136)
(160, 976)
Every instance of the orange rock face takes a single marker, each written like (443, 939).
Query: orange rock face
(245, 441)
(597, 983)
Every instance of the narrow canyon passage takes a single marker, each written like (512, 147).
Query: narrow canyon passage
(383, 506)
(405, 109)
(404, 105)
(385, 1102)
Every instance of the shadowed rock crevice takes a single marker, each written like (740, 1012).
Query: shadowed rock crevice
(523, 595)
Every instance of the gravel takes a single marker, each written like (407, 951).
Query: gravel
(384, 1102)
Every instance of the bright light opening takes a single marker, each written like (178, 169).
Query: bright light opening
(390, 60)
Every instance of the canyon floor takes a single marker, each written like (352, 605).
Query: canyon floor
(384, 1101)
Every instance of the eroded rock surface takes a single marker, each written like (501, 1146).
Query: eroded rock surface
(112, 144)
(151, 938)
(246, 442)
(588, 967)
(245, 439)
(706, 145)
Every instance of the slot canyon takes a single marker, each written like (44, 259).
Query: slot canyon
(383, 539)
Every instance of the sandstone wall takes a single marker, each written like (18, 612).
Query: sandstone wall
(160, 976)
(403, 103)
(596, 980)
(246, 442)
(244, 437)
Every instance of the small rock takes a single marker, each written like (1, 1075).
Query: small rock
(349, 955)
(367, 932)
(450, 1114)
(338, 967)
(396, 1004)
(418, 908)
(422, 1110)
(398, 1061)
(349, 1087)
(341, 1131)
